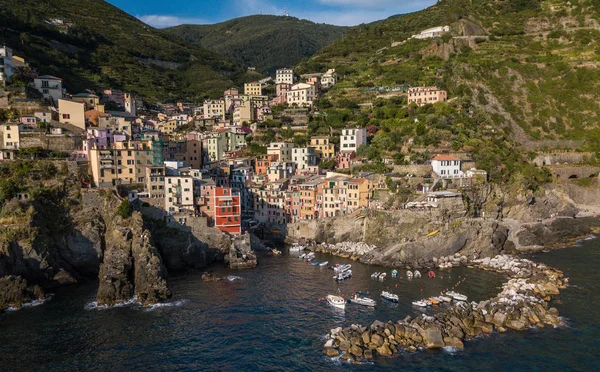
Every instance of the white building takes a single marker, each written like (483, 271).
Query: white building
(282, 149)
(329, 79)
(446, 166)
(304, 157)
(6, 63)
(301, 94)
(351, 139)
(284, 75)
(130, 104)
(50, 87)
(179, 194)
(214, 109)
(432, 32)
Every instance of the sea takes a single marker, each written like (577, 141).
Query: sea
(275, 318)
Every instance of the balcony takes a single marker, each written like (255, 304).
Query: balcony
(106, 166)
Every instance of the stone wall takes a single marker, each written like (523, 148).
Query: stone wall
(54, 142)
(562, 158)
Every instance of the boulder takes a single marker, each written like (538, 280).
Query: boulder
(384, 350)
(368, 354)
(366, 337)
(432, 338)
(357, 351)
(345, 345)
(454, 342)
(517, 325)
(377, 339)
(331, 352)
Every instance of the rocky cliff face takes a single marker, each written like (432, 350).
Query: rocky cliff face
(14, 292)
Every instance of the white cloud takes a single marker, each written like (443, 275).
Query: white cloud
(160, 21)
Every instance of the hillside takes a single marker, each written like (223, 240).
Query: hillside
(262, 41)
(530, 65)
(99, 46)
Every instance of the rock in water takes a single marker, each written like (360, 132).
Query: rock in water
(14, 292)
(131, 266)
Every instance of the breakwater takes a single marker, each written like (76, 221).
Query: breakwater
(522, 303)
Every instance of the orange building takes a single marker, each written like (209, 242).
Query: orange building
(227, 210)
(263, 163)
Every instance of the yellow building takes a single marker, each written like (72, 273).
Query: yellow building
(71, 112)
(325, 150)
(123, 163)
(359, 193)
(253, 89)
(91, 101)
(168, 127)
(9, 133)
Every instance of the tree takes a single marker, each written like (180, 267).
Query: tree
(125, 209)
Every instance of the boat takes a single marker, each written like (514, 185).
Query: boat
(434, 301)
(445, 298)
(296, 248)
(343, 275)
(420, 303)
(336, 301)
(315, 263)
(309, 257)
(394, 273)
(456, 296)
(302, 255)
(323, 263)
(382, 276)
(362, 300)
(275, 251)
(389, 296)
(433, 233)
(342, 268)
(375, 275)
(409, 274)
(417, 274)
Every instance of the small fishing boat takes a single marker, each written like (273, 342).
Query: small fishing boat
(434, 301)
(409, 274)
(336, 301)
(296, 248)
(309, 257)
(314, 263)
(456, 296)
(445, 298)
(375, 275)
(276, 252)
(343, 275)
(389, 296)
(394, 273)
(420, 303)
(361, 300)
(341, 268)
(302, 255)
(382, 276)
(417, 274)
(323, 263)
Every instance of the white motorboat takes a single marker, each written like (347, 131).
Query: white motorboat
(420, 303)
(409, 274)
(394, 273)
(341, 268)
(302, 255)
(389, 296)
(323, 263)
(363, 300)
(445, 298)
(336, 301)
(343, 275)
(375, 275)
(456, 296)
(417, 274)
(382, 276)
(309, 257)
(296, 248)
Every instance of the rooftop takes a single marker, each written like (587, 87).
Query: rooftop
(445, 157)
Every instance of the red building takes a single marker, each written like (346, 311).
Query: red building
(227, 210)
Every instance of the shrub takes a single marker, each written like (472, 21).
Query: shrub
(124, 209)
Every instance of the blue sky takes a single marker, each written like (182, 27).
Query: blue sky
(164, 13)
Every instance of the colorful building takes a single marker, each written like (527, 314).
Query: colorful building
(227, 210)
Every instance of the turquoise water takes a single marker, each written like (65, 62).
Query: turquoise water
(272, 319)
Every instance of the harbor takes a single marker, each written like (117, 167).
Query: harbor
(280, 307)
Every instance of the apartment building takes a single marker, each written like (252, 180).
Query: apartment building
(282, 149)
(329, 79)
(304, 157)
(243, 113)
(446, 166)
(50, 87)
(179, 194)
(71, 112)
(334, 196)
(302, 94)
(6, 63)
(227, 210)
(324, 149)
(284, 75)
(359, 193)
(309, 203)
(214, 109)
(424, 95)
(253, 89)
(121, 163)
(155, 182)
(11, 139)
(352, 138)
(263, 163)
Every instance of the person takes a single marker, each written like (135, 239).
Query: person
(431, 274)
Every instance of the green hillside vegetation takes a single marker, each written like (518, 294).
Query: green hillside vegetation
(262, 41)
(516, 71)
(105, 47)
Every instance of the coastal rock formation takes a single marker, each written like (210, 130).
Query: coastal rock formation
(241, 255)
(522, 303)
(14, 292)
(131, 267)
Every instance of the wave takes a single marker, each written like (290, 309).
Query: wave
(450, 349)
(166, 304)
(133, 302)
(33, 303)
(231, 278)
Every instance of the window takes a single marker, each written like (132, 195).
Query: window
(66, 116)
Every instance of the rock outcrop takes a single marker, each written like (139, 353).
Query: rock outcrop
(15, 292)
(522, 303)
(241, 255)
(132, 266)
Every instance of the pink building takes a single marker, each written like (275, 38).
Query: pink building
(425, 95)
(30, 121)
(345, 160)
(281, 90)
